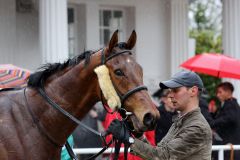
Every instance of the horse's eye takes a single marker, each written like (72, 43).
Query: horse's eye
(119, 72)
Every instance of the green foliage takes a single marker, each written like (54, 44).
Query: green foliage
(200, 18)
(207, 41)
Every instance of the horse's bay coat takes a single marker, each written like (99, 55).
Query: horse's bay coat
(20, 132)
(32, 128)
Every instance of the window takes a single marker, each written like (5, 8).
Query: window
(110, 20)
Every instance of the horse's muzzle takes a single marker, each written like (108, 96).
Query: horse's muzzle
(149, 121)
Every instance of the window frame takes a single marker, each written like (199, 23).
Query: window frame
(122, 30)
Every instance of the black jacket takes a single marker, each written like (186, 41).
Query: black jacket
(227, 124)
(204, 109)
(163, 124)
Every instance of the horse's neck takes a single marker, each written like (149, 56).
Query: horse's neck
(77, 88)
(76, 92)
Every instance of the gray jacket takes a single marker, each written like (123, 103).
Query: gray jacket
(189, 138)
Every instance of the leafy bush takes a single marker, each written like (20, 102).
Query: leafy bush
(207, 33)
(206, 42)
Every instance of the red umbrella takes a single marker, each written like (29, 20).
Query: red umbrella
(13, 76)
(218, 65)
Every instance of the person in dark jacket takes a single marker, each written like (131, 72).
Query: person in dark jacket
(85, 139)
(204, 109)
(167, 111)
(227, 120)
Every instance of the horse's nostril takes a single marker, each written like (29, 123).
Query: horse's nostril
(149, 121)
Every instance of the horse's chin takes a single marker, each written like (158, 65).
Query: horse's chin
(135, 125)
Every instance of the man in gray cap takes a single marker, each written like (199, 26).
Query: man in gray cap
(190, 136)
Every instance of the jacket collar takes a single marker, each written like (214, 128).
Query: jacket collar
(178, 120)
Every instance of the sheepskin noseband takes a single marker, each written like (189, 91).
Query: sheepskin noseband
(107, 88)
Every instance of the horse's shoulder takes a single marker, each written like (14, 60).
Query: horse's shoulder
(12, 119)
(8, 99)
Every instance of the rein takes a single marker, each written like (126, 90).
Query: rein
(71, 117)
(36, 121)
(50, 139)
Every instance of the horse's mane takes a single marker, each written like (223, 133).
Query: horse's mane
(35, 79)
(50, 68)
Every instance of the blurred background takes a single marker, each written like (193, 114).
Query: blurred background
(34, 32)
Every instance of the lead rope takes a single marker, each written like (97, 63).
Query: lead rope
(70, 151)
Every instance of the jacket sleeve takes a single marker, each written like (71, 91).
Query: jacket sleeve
(190, 140)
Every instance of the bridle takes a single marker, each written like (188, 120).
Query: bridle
(122, 97)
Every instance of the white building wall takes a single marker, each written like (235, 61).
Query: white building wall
(151, 24)
(53, 31)
(81, 24)
(92, 27)
(27, 53)
(153, 41)
(7, 31)
(179, 34)
(231, 36)
(19, 36)
(150, 19)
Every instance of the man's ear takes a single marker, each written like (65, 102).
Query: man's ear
(194, 91)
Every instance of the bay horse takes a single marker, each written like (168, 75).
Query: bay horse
(32, 129)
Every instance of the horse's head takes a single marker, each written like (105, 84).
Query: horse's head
(126, 76)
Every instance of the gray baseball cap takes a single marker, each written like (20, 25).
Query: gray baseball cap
(183, 78)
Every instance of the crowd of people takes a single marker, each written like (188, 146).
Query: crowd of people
(224, 119)
(187, 128)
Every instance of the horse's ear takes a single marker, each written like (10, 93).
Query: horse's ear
(113, 42)
(132, 40)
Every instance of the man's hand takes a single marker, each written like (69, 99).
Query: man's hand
(119, 131)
